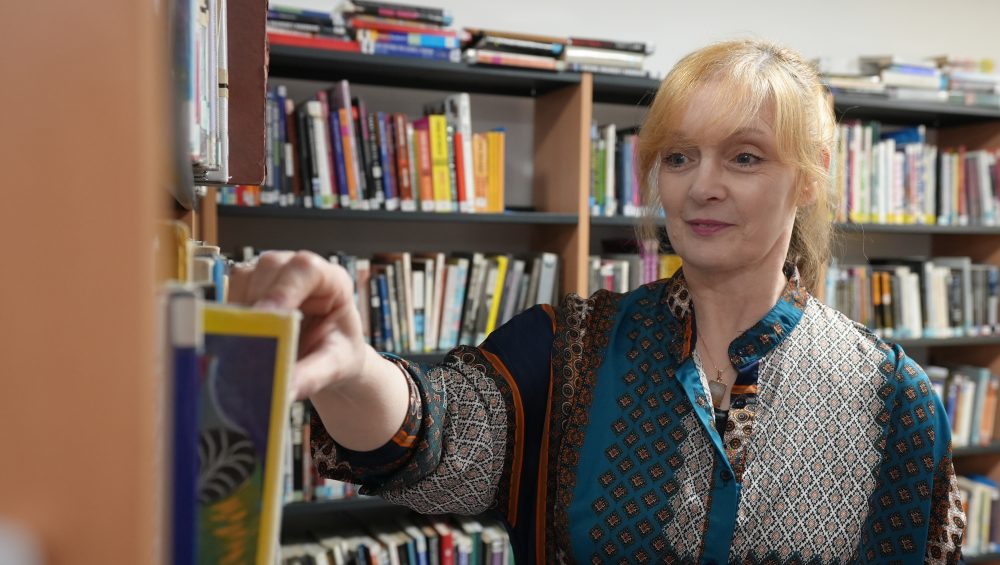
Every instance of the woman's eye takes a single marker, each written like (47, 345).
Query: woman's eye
(747, 159)
(675, 160)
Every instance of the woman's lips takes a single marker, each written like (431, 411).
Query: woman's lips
(707, 227)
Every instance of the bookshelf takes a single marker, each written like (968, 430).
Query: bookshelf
(564, 107)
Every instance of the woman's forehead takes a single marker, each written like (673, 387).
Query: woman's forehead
(713, 114)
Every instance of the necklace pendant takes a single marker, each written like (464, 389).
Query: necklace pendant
(718, 392)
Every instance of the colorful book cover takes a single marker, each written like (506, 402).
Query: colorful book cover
(440, 175)
(244, 409)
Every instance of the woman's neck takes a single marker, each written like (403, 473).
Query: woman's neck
(727, 305)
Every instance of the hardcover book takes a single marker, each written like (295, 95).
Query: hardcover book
(244, 409)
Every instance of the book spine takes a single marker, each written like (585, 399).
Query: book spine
(291, 152)
(328, 135)
(364, 155)
(495, 196)
(422, 139)
(364, 22)
(412, 51)
(355, 181)
(340, 160)
(438, 129)
(406, 201)
(410, 39)
(375, 313)
(436, 16)
(310, 177)
(462, 190)
(388, 157)
(375, 154)
(453, 173)
(614, 45)
(313, 42)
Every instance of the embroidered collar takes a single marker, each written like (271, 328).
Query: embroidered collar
(750, 346)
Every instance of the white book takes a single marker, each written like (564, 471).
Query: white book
(317, 134)
(610, 198)
(419, 322)
(453, 298)
(547, 279)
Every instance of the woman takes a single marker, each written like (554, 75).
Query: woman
(723, 415)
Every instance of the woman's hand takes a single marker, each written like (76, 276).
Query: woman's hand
(332, 349)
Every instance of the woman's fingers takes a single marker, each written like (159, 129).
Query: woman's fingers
(303, 276)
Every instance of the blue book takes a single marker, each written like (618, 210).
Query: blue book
(184, 342)
(388, 179)
(414, 51)
(415, 39)
(383, 293)
(339, 167)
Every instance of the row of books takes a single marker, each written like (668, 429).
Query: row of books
(981, 502)
(622, 272)
(575, 54)
(614, 182)
(430, 302)
(301, 480)
(420, 303)
(970, 397)
(226, 372)
(893, 176)
(332, 152)
(383, 28)
(912, 298)
(935, 79)
(408, 540)
(201, 59)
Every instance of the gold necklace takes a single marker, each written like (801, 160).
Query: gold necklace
(716, 388)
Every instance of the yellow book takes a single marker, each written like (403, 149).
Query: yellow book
(491, 321)
(496, 151)
(481, 170)
(244, 409)
(440, 174)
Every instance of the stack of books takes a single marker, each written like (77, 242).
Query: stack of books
(514, 49)
(307, 28)
(383, 28)
(587, 55)
(905, 78)
(970, 82)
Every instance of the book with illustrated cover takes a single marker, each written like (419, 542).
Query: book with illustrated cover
(244, 407)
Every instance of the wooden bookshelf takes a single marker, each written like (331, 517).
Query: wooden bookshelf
(509, 217)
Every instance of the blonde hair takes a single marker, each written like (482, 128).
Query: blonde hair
(748, 75)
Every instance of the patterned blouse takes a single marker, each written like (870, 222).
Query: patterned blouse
(588, 429)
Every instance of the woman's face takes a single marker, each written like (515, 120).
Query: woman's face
(730, 203)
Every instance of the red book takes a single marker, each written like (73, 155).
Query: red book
(313, 42)
(403, 163)
(364, 22)
(422, 137)
(460, 157)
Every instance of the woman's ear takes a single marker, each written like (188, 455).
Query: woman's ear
(808, 193)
